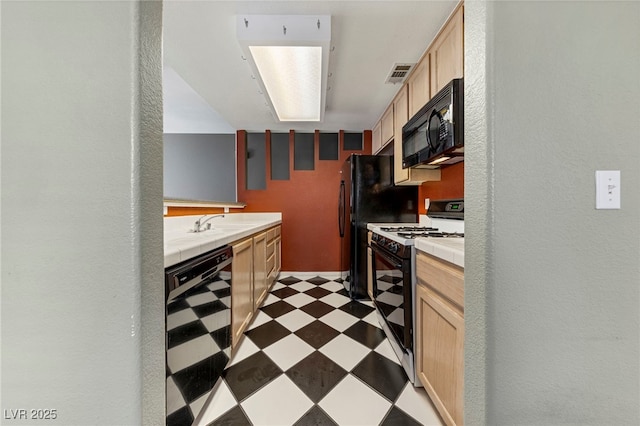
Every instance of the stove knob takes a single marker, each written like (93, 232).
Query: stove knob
(394, 247)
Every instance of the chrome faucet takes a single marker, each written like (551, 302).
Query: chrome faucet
(197, 227)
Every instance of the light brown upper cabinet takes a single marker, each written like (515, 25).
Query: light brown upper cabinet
(418, 83)
(447, 52)
(376, 138)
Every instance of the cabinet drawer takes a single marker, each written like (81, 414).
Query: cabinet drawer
(271, 234)
(441, 276)
(271, 248)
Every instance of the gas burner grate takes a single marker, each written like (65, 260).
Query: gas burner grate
(412, 235)
(408, 229)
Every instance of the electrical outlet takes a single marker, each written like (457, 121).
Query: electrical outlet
(607, 189)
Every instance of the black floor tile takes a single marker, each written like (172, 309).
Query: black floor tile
(207, 309)
(317, 333)
(176, 306)
(317, 292)
(233, 417)
(222, 337)
(180, 417)
(284, 292)
(397, 417)
(185, 332)
(289, 280)
(267, 334)
(315, 417)
(223, 292)
(366, 334)
(385, 308)
(278, 308)
(317, 309)
(250, 374)
(356, 309)
(390, 279)
(316, 375)
(317, 280)
(383, 375)
(199, 378)
(343, 292)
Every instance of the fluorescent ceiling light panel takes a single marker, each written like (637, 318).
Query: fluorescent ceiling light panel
(292, 76)
(289, 56)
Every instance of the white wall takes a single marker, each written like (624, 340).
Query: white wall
(559, 306)
(81, 211)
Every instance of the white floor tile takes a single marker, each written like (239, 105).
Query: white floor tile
(277, 286)
(288, 351)
(332, 286)
(189, 353)
(295, 320)
(217, 285)
(221, 402)
(339, 320)
(391, 298)
(226, 301)
(372, 319)
(300, 299)
(245, 350)
(197, 405)
(180, 318)
(346, 401)
(174, 397)
(270, 299)
(259, 319)
(415, 402)
(302, 286)
(279, 403)
(345, 351)
(335, 300)
(216, 321)
(201, 299)
(386, 350)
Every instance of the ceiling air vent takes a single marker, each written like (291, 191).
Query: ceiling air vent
(398, 73)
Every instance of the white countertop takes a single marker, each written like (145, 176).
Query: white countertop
(180, 243)
(449, 249)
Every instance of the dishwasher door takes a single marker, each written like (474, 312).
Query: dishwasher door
(198, 331)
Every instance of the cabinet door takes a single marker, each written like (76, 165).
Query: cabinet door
(440, 354)
(386, 126)
(376, 138)
(241, 288)
(418, 83)
(447, 53)
(260, 284)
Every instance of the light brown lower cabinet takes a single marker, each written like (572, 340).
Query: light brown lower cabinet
(440, 335)
(255, 267)
(241, 289)
(260, 284)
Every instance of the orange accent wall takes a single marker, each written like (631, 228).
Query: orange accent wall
(186, 211)
(308, 202)
(450, 185)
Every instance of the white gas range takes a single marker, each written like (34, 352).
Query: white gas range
(393, 264)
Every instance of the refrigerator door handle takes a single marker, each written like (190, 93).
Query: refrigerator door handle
(341, 209)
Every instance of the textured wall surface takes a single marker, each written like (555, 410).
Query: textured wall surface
(561, 281)
(72, 207)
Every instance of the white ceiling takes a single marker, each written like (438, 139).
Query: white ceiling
(200, 48)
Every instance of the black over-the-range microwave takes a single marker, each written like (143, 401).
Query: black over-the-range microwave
(434, 136)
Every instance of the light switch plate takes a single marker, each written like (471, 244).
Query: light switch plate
(607, 189)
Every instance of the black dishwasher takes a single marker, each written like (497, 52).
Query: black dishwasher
(198, 330)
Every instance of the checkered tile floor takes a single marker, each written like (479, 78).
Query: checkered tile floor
(311, 356)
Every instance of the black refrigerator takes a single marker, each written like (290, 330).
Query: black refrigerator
(368, 195)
